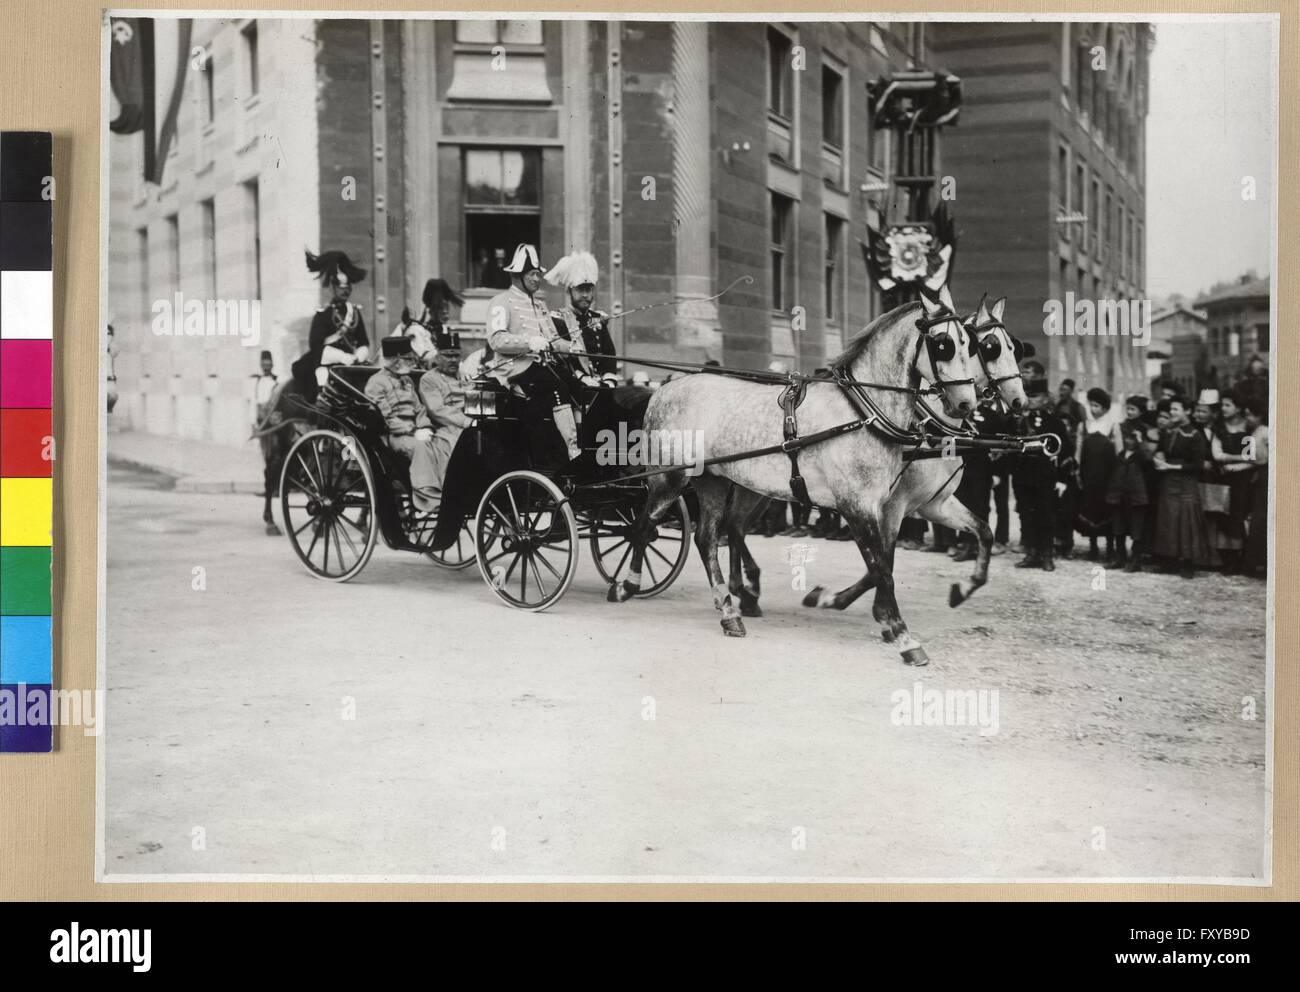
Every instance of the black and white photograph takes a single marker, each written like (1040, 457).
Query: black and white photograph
(682, 448)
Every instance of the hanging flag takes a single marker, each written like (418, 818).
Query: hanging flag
(131, 50)
(145, 52)
(168, 66)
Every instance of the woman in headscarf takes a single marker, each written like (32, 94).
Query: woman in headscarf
(1097, 448)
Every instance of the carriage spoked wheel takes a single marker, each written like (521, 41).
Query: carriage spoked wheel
(526, 540)
(665, 556)
(459, 555)
(327, 497)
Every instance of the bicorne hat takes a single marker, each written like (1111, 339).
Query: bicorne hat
(525, 260)
(328, 264)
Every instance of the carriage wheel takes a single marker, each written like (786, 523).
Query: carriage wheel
(665, 556)
(459, 555)
(327, 497)
(526, 541)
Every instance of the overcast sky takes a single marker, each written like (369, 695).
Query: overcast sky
(1210, 123)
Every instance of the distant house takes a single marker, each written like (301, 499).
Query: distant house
(1177, 350)
(1237, 326)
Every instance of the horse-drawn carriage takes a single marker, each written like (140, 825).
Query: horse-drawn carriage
(514, 510)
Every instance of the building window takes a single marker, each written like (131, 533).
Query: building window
(1261, 339)
(479, 74)
(174, 252)
(1095, 221)
(254, 201)
(1141, 255)
(833, 117)
(209, 213)
(834, 269)
(878, 153)
(250, 54)
(782, 251)
(1078, 203)
(503, 206)
(499, 32)
(780, 96)
(208, 89)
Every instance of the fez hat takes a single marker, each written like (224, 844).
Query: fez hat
(328, 264)
(396, 347)
(578, 268)
(436, 291)
(525, 260)
(266, 354)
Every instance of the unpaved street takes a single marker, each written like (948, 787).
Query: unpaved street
(408, 724)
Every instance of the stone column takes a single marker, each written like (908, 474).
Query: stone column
(576, 124)
(420, 127)
(697, 324)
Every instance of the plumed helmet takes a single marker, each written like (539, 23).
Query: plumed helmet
(575, 269)
(328, 264)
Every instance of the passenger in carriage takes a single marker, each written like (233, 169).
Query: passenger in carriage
(437, 298)
(338, 330)
(443, 395)
(580, 323)
(409, 430)
(520, 325)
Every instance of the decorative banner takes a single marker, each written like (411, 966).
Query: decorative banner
(26, 442)
(912, 253)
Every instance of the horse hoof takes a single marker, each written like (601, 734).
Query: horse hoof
(750, 609)
(955, 598)
(732, 627)
(814, 596)
(916, 657)
(273, 531)
(619, 592)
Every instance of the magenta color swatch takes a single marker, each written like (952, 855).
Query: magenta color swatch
(25, 373)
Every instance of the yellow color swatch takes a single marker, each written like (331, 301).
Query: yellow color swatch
(26, 512)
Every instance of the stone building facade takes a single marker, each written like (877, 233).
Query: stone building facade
(689, 157)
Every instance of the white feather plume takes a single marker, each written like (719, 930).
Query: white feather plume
(574, 269)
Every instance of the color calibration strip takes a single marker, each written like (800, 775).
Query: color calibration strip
(26, 443)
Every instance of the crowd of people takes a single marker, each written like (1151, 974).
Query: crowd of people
(1173, 483)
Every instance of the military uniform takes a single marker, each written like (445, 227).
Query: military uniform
(1034, 483)
(404, 414)
(589, 332)
(337, 335)
(444, 400)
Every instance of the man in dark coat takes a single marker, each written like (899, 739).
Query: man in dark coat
(1039, 479)
(976, 486)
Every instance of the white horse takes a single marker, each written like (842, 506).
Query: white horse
(885, 368)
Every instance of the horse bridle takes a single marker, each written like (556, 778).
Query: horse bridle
(940, 349)
(993, 350)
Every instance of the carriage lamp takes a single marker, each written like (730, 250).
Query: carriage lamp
(480, 403)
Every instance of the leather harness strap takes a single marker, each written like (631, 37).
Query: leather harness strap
(790, 399)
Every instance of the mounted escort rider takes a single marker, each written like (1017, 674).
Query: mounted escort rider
(580, 323)
(424, 333)
(520, 325)
(338, 330)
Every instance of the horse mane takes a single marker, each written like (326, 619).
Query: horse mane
(845, 360)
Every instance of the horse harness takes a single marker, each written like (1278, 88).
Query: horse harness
(940, 350)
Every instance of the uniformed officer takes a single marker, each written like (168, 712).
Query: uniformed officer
(338, 330)
(586, 327)
(1038, 479)
(443, 395)
(438, 298)
(520, 325)
(409, 429)
(976, 484)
